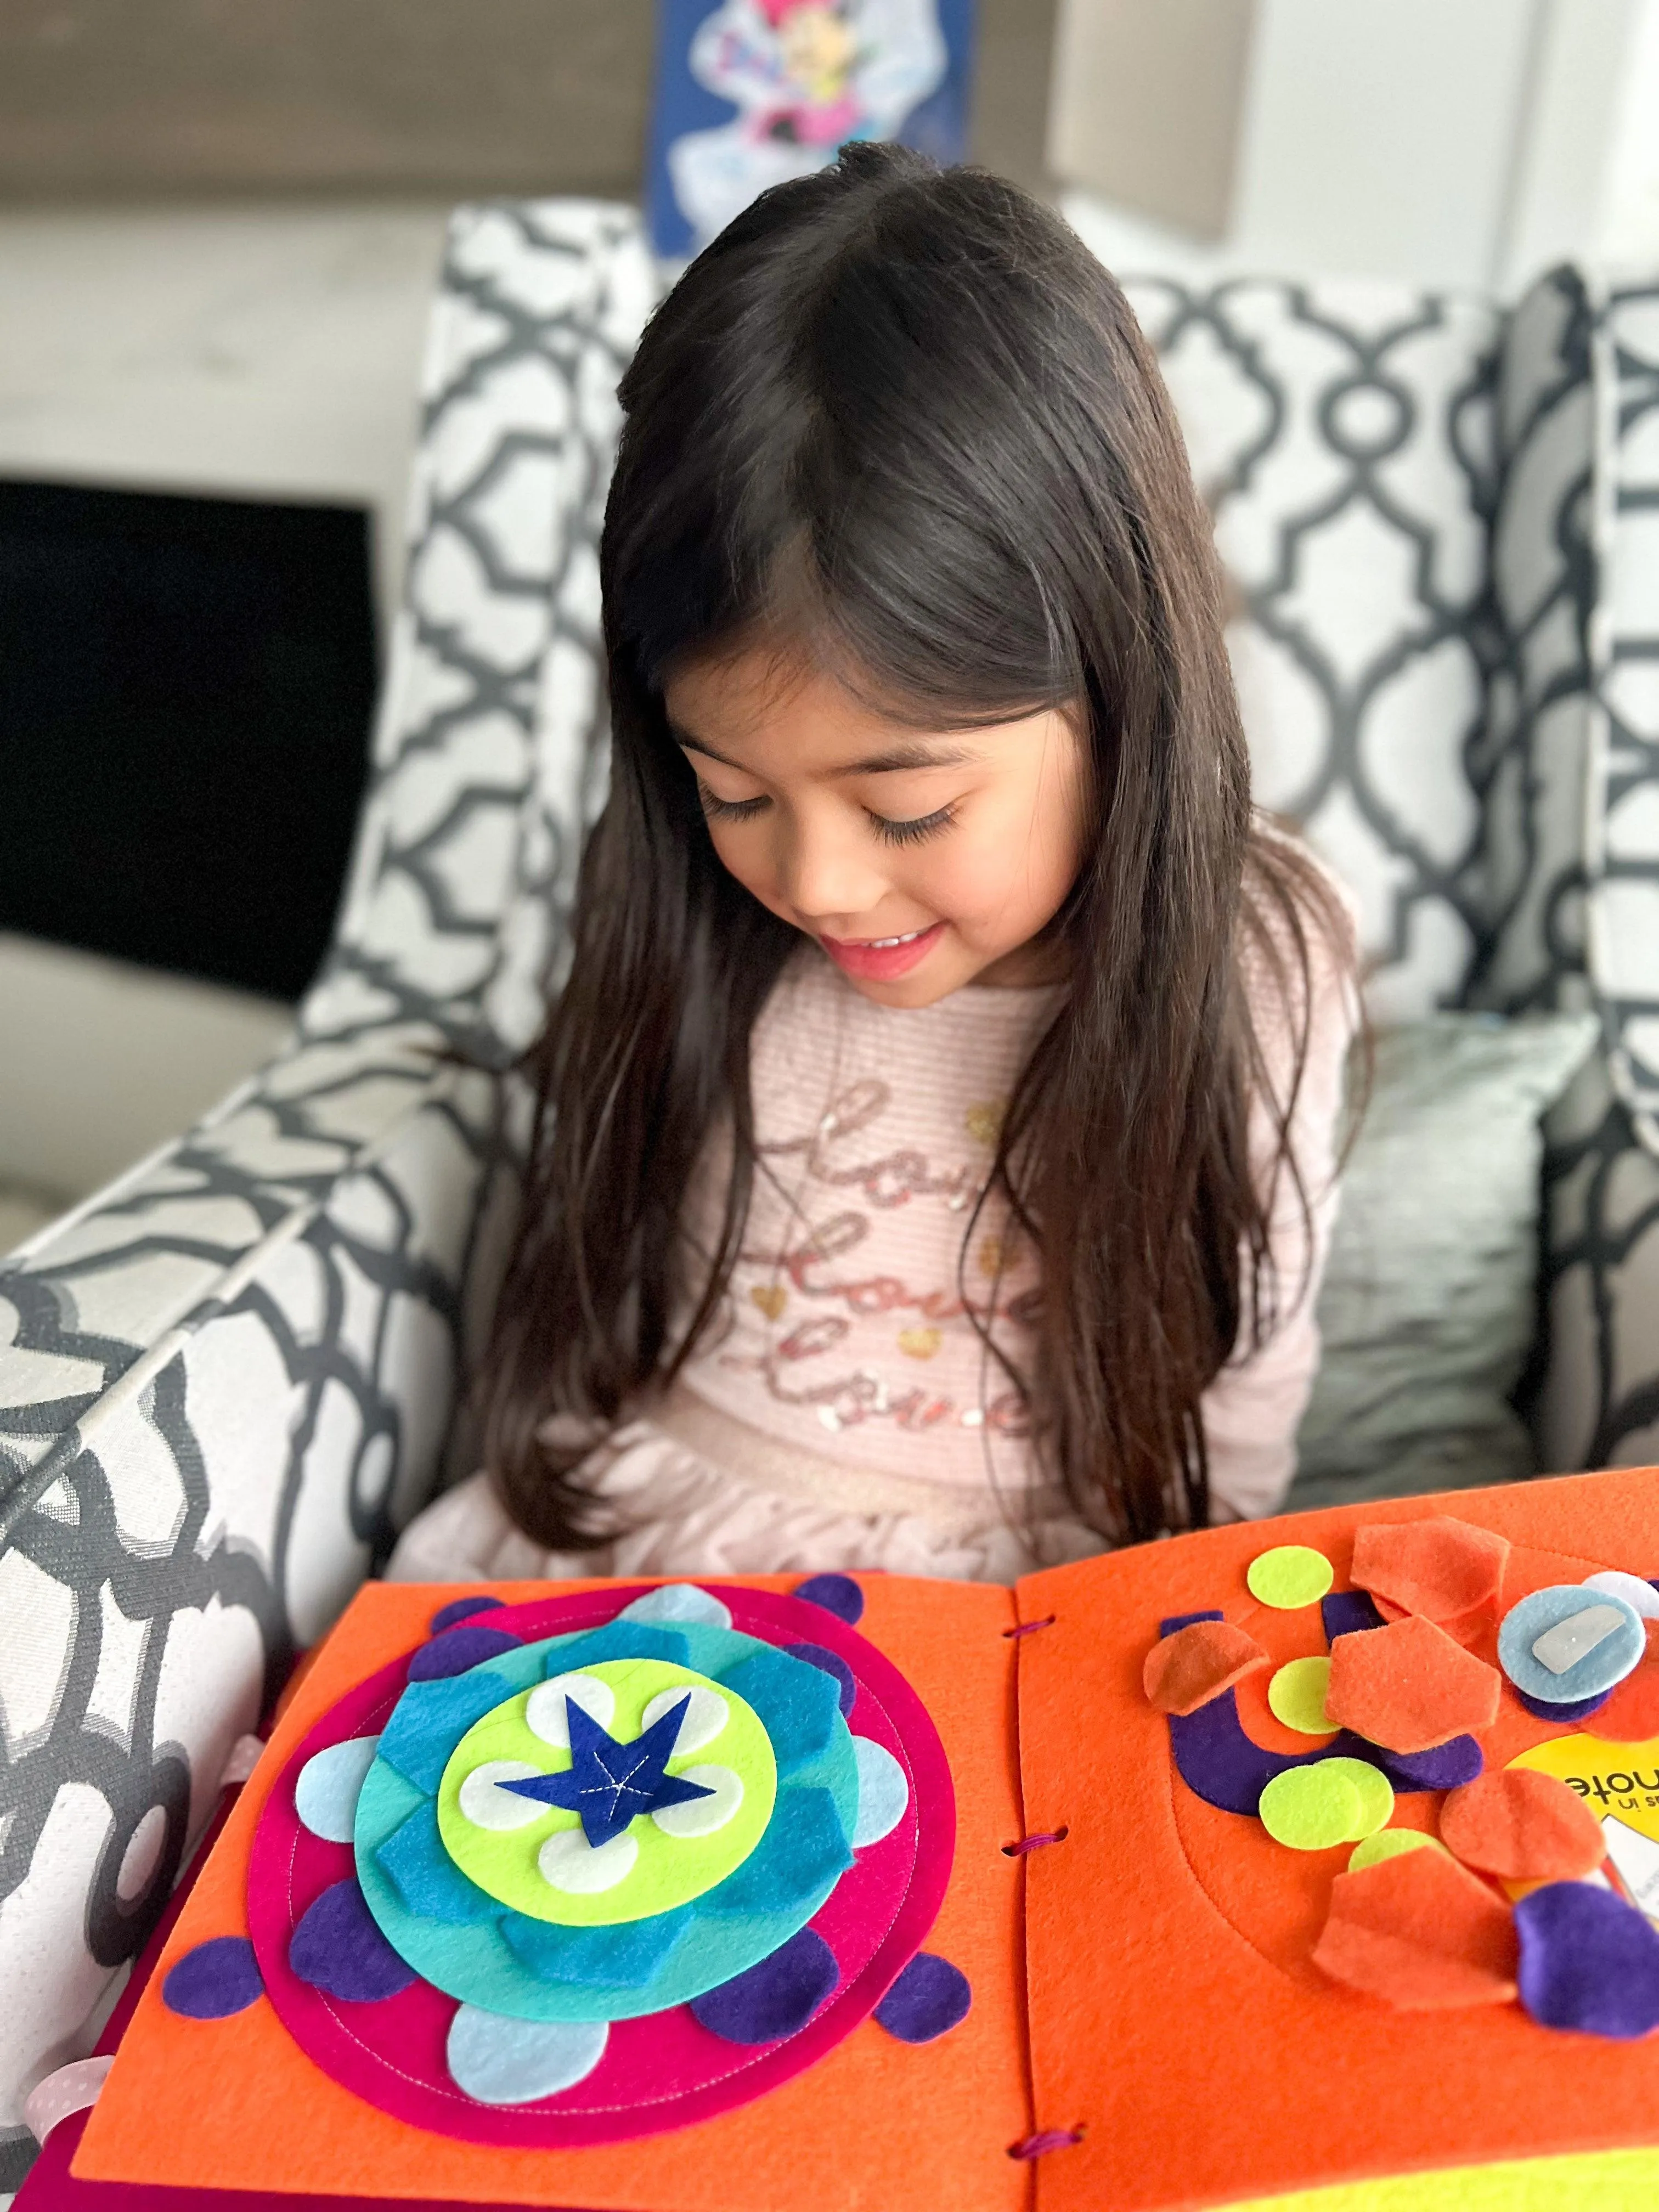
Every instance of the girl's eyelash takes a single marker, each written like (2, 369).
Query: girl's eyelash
(728, 810)
(911, 833)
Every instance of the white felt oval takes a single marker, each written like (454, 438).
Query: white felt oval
(544, 1714)
(1641, 1598)
(679, 1602)
(569, 1862)
(499, 2061)
(702, 1816)
(706, 1715)
(487, 1805)
(326, 1794)
(884, 1792)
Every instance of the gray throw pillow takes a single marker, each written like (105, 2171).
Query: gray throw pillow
(1429, 1302)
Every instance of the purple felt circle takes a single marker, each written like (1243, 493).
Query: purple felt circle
(929, 1998)
(460, 1609)
(218, 1979)
(774, 1999)
(338, 1946)
(457, 1650)
(1578, 1709)
(1588, 1961)
(836, 1594)
(831, 1662)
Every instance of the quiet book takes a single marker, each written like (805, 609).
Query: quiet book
(1310, 1862)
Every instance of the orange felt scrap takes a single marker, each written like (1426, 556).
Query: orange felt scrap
(1421, 1933)
(1524, 1825)
(1197, 1662)
(1409, 1686)
(1440, 1568)
(1631, 1713)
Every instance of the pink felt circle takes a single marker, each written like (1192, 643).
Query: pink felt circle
(663, 2071)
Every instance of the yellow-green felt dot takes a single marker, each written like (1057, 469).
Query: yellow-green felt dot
(1389, 1844)
(1296, 1696)
(1289, 1576)
(1309, 1809)
(1374, 1790)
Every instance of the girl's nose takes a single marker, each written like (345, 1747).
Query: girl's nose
(825, 875)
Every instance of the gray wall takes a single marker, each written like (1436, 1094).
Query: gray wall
(107, 97)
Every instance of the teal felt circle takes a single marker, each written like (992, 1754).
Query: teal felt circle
(1598, 1669)
(504, 1962)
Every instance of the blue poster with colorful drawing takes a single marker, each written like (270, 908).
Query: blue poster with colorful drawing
(752, 91)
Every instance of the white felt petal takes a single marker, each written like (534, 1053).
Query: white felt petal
(706, 1715)
(678, 1601)
(569, 1862)
(544, 1714)
(702, 1816)
(487, 1805)
(326, 1794)
(499, 2061)
(1641, 1598)
(884, 1792)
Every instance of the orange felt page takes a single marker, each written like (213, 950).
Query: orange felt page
(263, 2117)
(1174, 2013)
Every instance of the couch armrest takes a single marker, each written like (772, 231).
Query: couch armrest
(226, 1381)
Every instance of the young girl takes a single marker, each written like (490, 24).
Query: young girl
(935, 1157)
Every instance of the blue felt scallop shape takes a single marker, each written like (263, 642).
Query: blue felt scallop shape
(499, 2061)
(430, 1718)
(929, 1998)
(426, 1880)
(801, 1858)
(625, 1955)
(678, 1601)
(799, 1702)
(460, 1609)
(776, 1997)
(325, 1790)
(836, 1594)
(884, 1792)
(457, 1650)
(1598, 1670)
(218, 1979)
(829, 1662)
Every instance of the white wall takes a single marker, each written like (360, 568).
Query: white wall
(1448, 143)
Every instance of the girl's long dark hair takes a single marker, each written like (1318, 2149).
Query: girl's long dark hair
(904, 418)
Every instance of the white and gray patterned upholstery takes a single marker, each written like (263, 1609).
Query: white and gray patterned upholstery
(224, 1383)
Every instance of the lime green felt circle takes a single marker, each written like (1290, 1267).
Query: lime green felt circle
(1309, 1809)
(1295, 1696)
(1389, 1844)
(648, 1869)
(1374, 1790)
(1289, 1576)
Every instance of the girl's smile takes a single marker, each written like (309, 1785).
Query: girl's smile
(920, 860)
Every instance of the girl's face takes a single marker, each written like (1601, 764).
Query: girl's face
(920, 861)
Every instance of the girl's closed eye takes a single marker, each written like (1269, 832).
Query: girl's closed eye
(913, 831)
(728, 810)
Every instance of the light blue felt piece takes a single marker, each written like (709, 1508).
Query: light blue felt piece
(514, 2061)
(884, 1792)
(803, 1854)
(624, 1956)
(428, 1881)
(679, 1602)
(325, 1792)
(799, 1704)
(430, 1718)
(1598, 1670)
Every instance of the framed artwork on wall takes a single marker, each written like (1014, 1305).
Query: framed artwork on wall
(750, 93)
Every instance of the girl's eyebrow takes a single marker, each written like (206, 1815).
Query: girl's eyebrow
(894, 761)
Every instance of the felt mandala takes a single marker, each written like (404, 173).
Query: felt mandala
(590, 1867)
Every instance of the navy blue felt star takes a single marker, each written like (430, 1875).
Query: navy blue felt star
(610, 1783)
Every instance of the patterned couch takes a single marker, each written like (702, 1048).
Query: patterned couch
(228, 1380)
